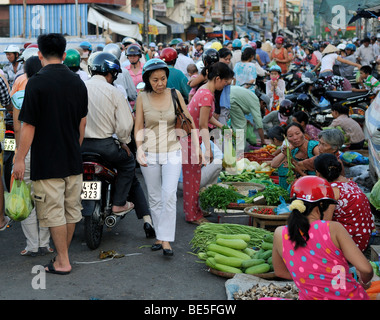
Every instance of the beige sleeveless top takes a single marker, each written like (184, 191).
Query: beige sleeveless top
(160, 136)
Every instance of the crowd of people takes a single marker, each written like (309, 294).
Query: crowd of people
(120, 100)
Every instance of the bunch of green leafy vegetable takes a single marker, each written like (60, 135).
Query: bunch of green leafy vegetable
(218, 197)
(272, 194)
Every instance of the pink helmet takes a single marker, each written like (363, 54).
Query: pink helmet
(279, 39)
(253, 44)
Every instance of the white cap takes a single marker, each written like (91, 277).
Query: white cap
(12, 48)
(341, 46)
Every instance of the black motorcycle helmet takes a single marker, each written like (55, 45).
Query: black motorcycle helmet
(210, 56)
(309, 77)
(304, 100)
(133, 50)
(286, 108)
(103, 63)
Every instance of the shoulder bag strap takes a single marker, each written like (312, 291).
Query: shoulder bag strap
(176, 103)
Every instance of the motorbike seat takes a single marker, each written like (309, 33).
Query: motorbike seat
(341, 95)
(96, 157)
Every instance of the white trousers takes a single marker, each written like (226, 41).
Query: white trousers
(161, 178)
(35, 236)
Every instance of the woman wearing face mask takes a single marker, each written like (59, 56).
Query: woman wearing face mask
(275, 88)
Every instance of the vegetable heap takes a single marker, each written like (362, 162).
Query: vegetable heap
(218, 197)
(245, 164)
(244, 176)
(269, 211)
(272, 194)
(230, 253)
(206, 234)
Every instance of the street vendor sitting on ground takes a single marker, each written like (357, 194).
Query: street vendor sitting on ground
(330, 141)
(353, 210)
(349, 125)
(313, 252)
(300, 149)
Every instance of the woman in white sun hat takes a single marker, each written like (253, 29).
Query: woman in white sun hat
(329, 57)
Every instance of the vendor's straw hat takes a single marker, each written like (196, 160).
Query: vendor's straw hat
(330, 49)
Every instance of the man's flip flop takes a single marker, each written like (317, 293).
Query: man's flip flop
(7, 220)
(51, 269)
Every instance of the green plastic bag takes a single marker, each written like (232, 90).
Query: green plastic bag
(272, 63)
(18, 202)
(374, 197)
(251, 135)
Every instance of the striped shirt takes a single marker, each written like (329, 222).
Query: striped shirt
(371, 83)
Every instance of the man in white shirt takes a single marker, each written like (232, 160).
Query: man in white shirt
(183, 60)
(366, 53)
(109, 114)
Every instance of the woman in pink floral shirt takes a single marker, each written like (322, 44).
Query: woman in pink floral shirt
(201, 108)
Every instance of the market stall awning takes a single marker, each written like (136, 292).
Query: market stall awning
(129, 30)
(208, 28)
(198, 18)
(136, 17)
(175, 26)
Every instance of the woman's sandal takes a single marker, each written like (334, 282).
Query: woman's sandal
(28, 253)
(199, 221)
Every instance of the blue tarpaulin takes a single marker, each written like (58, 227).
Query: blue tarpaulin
(58, 18)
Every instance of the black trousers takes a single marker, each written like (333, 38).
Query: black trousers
(127, 186)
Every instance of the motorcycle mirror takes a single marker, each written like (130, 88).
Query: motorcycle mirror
(140, 86)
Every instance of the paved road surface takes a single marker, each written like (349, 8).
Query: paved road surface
(147, 276)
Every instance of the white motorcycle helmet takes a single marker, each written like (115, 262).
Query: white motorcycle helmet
(27, 53)
(12, 48)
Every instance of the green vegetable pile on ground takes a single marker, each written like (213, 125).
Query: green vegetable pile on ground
(219, 197)
(231, 253)
(272, 194)
(206, 233)
(244, 176)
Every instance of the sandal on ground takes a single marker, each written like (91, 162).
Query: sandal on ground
(51, 269)
(45, 250)
(28, 253)
(129, 206)
(199, 221)
(7, 221)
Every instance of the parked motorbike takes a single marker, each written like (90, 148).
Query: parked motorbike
(97, 194)
(9, 149)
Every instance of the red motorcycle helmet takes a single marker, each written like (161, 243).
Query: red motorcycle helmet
(169, 54)
(32, 45)
(312, 189)
(279, 39)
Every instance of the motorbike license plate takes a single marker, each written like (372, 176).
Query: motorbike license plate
(91, 190)
(9, 144)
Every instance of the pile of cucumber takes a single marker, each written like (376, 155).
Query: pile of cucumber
(230, 253)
